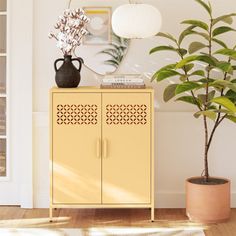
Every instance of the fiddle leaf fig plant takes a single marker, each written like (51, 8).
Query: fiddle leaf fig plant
(204, 73)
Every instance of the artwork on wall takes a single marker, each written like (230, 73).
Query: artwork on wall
(100, 26)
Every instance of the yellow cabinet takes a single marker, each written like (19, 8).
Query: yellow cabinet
(102, 148)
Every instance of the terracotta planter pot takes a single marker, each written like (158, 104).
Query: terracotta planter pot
(208, 203)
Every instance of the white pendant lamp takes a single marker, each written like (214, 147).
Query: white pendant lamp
(136, 21)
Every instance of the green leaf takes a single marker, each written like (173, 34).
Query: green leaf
(227, 52)
(225, 102)
(222, 84)
(204, 35)
(165, 74)
(186, 32)
(210, 114)
(204, 58)
(231, 95)
(189, 99)
(182, 51)
(198, 72)
(208, 8)
(164, 68)
(190, 32)
(225, 18)
(232, 118)
(223, 111)
(224, 66)
(231, 85)
(188, 67)
(222, 30)
(205, 80)
(202, 97)
(166, 35)
(186, 61)
(221, 43)
(196, 23)
(186, 86)
(162, 48)
(183, 78)
(195, 46)
(169, 92)
(211, 95)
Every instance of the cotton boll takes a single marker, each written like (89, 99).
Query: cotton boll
(73, 13)
(83, 32)
(87, 20)
(71, 23)
(83, 17)
(50, 35)
(61, 36)
(79, 11)
(68, 48)
(60, 44)
(66, 12)
(74, 42)
(62, 18)
(77, 22)
(57, 25)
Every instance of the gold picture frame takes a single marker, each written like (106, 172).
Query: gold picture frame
(99, 27)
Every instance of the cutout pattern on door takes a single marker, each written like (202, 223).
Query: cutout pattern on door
(122, 114)
(77, 114)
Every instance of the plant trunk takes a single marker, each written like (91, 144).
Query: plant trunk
(206, 170)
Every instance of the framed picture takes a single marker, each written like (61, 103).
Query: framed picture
(99, 27)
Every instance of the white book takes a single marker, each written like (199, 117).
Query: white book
(122, 83)
(132, 78)
(122, 80)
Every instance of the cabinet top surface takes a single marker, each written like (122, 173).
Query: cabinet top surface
(98, 90)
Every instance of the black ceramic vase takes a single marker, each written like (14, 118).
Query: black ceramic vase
(68, 76)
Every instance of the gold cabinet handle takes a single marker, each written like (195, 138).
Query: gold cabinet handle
(105, 148)
(98, 148)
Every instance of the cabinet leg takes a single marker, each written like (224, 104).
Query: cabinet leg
(50, 214)
(152, 214)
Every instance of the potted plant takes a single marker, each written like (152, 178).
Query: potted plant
(207, 198)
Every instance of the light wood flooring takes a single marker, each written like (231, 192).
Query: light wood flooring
(86, 218)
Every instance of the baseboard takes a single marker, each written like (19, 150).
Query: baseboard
(162, 200)
(170, 200)
(177, 200)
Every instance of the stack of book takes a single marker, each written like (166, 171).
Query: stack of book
(123, 82)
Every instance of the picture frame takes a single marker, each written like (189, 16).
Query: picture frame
(99, 27)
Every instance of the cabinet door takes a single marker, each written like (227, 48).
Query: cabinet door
(126, 134)
(76, 159)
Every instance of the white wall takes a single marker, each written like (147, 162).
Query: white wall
(179, 141)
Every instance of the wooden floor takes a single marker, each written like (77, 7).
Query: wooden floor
(86, 218)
